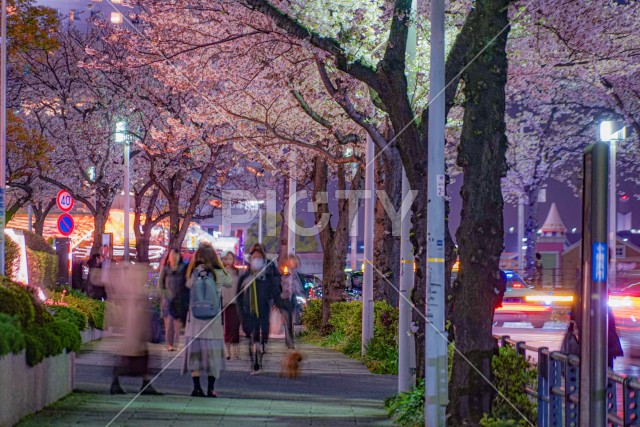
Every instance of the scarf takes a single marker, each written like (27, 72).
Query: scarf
(253, 298)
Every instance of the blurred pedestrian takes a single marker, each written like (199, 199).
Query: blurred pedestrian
(125, 284)
(174, 303)
(257, 288)
(614, 349)
(539, 273)
(291, 288)
(230, 315)
(204, 334)
(95, 287)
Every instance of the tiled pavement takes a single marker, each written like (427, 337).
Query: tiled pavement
(332, 390)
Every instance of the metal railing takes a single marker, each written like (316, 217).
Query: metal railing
(557, 389)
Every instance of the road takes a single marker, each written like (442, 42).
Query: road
(552, 334)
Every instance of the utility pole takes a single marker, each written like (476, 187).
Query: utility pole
(291, 207)
(3, 129)
(354, 243)
(260, 224)
(594, 327)
(367, 280)
(613, 229)
(436, 377)
(406, 343)
(127, 198)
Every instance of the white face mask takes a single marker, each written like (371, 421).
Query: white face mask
(257, 264)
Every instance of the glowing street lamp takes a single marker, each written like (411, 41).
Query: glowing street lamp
(121, 138)
(610, 132)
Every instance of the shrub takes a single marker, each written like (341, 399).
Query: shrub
(43, 268)
(68, 333)
(36, 242)
(71, 315)
(16, 300)
(11, 255)
(11, 337)
(92, 309)
(380, 357)
(312, 316)
(488, 421)
(407, 409)
(511, 374)
(35, 349)
(346, 336)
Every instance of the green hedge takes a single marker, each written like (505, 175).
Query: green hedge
(11, 254)
(12, 338)
(92, 309)
(71, 315)
(26, 323)
(16, 300)
(43, 268)
(381, 355)
(37, 243)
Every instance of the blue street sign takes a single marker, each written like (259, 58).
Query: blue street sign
(65, 224)
(599, 255)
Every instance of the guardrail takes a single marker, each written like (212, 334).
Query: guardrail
(557, 390)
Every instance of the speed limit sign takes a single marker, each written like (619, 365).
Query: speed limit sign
(64, 200)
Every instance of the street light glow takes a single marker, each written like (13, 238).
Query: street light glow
(120, 132)
(607, 133)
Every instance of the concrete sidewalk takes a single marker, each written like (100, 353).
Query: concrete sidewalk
(332, 390)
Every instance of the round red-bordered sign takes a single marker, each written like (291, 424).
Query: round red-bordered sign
(64, 200)
(66, 224)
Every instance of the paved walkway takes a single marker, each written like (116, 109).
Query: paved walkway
(332, 390)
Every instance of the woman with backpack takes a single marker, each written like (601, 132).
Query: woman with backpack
(175, 296)
(204, 333)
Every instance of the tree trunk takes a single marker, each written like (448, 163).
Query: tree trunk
(386, 251)
(40, 211)
(530, 232)
(99, 221)
(478, 288)
(333, 240)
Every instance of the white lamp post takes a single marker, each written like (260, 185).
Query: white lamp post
(121, 137)
(611, 132)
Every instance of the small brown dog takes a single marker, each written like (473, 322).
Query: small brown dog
(291, 365)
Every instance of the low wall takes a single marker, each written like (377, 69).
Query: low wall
(25, 390)
(93, 334)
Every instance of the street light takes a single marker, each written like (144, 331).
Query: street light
(121, 138)
(612, 131)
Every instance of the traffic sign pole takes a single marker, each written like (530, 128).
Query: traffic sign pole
(65, 224)
(594, 320)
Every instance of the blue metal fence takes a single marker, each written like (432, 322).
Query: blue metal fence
(557, 389)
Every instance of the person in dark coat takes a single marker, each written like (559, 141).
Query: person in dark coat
(174, 304)
(614, 349)
(256, 289)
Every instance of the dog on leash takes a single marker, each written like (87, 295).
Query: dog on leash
(291, 365)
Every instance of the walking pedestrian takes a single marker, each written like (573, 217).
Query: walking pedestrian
(127, 295)
(291, 287)
(257, 288)
(230, 314)
(174, 303)
(205, 338)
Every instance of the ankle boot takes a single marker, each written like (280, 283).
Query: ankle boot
(116, 388)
